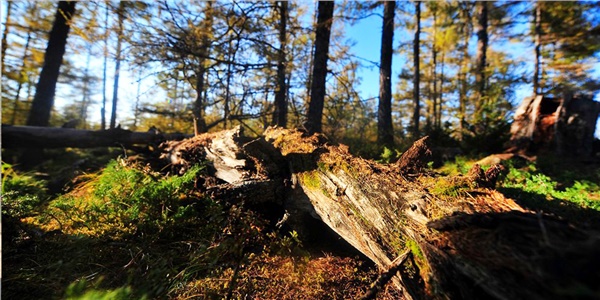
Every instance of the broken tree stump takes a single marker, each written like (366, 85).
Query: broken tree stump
(564, 125)
(477, 244)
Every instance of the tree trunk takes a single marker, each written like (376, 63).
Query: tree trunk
(481, 57)
(5, 35)
(474, 245)
(464, 68)
(385, 129)
(16, 107)
(104, 67)
(538, 47)
(417, 76)
(41, 107)
(34, 137)
(199, 103)
(281, 105)
(121, 16)
(434, 54)
(319, 74)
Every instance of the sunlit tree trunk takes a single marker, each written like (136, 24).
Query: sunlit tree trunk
(441, 92)
(281, 109)
(434, 72)
(482, 45)
(464, 67)
(416, 82)
(41, 107)
(121, 16)
(385, 130)
(103, 108)
(16, 103)
(5, 33)
(199, 103)
(317, 95)
(538, 47)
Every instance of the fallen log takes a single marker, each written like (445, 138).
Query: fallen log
(53, 137)
(472, 244)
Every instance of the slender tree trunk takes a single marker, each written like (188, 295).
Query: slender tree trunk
(416, 46)
(441, 92)
(121, 16)
(538, 47)
(85, 100)
(281, 105)
(481, 57)
(385, 130)
(434, 72)
(230, 58)
(103, 108)
(317, 95)
(199, 103)
(5, 34)
(16, 103)
(136, 112)
(41, 107)
(464, 68)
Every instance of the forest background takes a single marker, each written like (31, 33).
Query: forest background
(137, 64)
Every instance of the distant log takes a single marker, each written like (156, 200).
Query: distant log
(52, 137)
(564, 126)
(475, 244)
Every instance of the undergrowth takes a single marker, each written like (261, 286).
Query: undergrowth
(566, 188)
(127, 232)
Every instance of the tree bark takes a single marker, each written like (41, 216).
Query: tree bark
(34, 137)
(281, 105)
(16, 107)
(464, 67)
(115, 100)
(5, 35)
(104, 67)
(314, 122)
(199, 103)
(417, 76)
(41, 107)
(385, 129)
(481, 57)
(538, 47)
(474, 245)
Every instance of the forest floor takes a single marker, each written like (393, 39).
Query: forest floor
(121, 230)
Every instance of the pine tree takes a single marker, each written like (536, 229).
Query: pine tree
(385, 131)
(319, 74)
(43, 101)
(416, 78)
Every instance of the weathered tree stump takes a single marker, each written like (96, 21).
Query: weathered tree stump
(564, 126)
(476, 245)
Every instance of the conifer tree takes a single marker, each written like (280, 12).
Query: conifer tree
(43, 101)
(385, 131)
(319, 74)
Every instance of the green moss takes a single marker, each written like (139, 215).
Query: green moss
(312, 181)
(449, 187)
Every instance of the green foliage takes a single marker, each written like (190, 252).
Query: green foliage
(584, 193)
(21, 193)
(125, 199)
(389, 155)
(83, 290)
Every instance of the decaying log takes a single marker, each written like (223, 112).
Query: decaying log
(564, 125)
(475, 245)
(54, 137)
